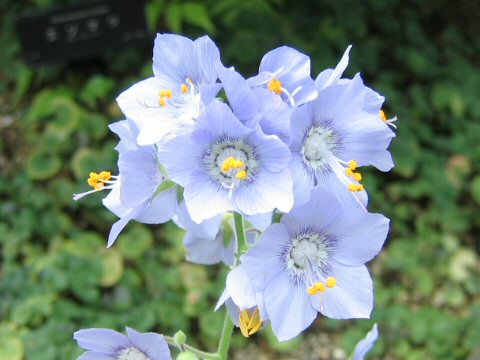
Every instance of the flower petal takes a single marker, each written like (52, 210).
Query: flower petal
(366, 344)
(152, 344)
(103, 341)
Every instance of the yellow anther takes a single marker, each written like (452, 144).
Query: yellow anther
(349, 172)
(331, 282)
(105, 175)
(382, 115)
(241, 175)
(93, 179)
(249, 322)
(184, 88)
(355, 187)
(319, 287)
(312, 291)
(166, 93)
(162, 101)
(353, 164)
(275, 86)
(231, 163)
(96, 180)
(357, 176)
(359, 187)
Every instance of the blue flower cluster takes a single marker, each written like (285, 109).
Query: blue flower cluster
(201, 142)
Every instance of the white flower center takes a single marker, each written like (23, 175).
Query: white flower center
(318, 146)
(223, 151)
(132, 353)
(307, 250)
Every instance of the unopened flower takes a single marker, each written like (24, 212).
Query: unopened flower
(105, 344)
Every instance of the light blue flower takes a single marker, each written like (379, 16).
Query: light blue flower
(140, 192)
(256, 106)
(184, 83)
(214, 240)
(366, 344)
(313, 261)
(226, 166)
(105, 344)
(332, 136)
(286, 72)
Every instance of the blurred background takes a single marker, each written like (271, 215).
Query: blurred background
(56, 276)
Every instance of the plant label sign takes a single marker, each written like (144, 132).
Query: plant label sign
(80, 31)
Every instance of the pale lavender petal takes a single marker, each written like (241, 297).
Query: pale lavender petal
(160, 209)
(205, 199)
(351, 298)
(93, 355)
(103, 341)
(207, 229)
(207, 56)
(287, 306)
(152, 344)
(201, 250)
(240, 288)
(366, 344)
(329, 76)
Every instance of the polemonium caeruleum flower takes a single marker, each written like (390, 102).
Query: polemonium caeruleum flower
(254, 106)
(335, 134)
(224, 166)
(286, 72)
(140, 191)
(105, 344)
(244, 303)
(313, 261)
(366, 344)
(184, 83)
(373, 100)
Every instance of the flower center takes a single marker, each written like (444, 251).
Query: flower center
(307, 250)
(318, 146)
(99, 181)
(230, 161)
(275, 86)
(132, 353)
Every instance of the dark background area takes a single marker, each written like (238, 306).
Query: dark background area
(56, 276)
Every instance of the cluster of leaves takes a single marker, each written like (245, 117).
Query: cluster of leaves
(57, 276)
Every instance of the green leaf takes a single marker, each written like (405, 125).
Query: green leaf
(11, 348)
(42, 166)
(196, 13)
(96, 88)
(173, 17)
(112, 267)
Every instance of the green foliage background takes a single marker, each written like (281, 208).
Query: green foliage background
(56, 275)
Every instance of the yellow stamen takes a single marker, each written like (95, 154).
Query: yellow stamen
(382, 115)
(184, 88)
(96, 180)
(162, 101)
(241, 175)
(231, 163)
(249, 322)
(331, 282)
(312, 291)
(353, 164)
(166, 93)
(349, 172)
(360, 187)
(320, 287)
(357, 176)
(275, 86)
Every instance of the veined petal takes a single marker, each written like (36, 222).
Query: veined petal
(274, 154)
(202, 251)
(207, 56)
(174, 56)
(203, 198)
(269, 190)
(151, 344)
(241, 98)
(160, 209)
(351, 298)
(240, 288)
(303, 179)
(287, 306)
(103, 341)
(207, 229)
(121, 223)
(329, 77)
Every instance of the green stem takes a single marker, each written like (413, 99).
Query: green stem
(240, 232)
(202, 354)
(226, 338)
